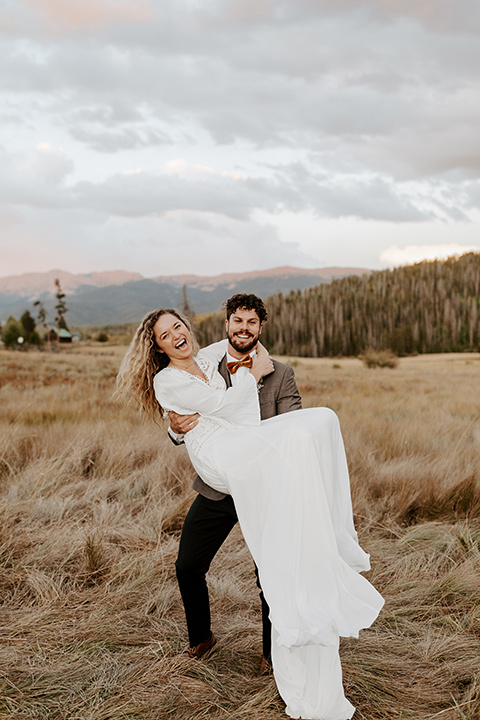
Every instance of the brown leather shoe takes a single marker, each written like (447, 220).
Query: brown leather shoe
(266, 667)
(197, 651)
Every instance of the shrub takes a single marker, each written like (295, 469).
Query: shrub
(35, 338)
(379, 358)
(101, 337)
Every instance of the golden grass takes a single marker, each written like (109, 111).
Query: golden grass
(91, 505)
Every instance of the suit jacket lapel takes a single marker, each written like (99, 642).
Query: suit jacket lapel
(266, 395)
(223, 370)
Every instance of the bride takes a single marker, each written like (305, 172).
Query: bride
(289, 480)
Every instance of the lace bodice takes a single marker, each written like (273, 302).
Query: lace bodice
(206, 427)
(219, 407)
(208, 368)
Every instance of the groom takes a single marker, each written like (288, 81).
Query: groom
(212, 514)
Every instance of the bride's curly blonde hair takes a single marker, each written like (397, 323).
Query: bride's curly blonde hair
(142, 361)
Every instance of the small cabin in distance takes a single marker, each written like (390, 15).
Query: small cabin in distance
(60, 335)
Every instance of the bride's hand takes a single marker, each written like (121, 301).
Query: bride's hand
(262, 363)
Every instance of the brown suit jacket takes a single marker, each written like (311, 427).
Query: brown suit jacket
(279, 394)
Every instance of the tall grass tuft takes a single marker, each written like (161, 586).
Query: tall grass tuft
(378, 358)
(95, 559)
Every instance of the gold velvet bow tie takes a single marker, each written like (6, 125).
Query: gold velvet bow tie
(244, 362)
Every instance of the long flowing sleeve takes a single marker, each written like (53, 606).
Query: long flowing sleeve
(214, 352)
(176, 390)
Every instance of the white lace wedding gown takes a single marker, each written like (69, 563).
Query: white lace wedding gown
(289, 480)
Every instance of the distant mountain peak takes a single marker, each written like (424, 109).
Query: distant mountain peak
(284, 271)
(119, 296)
(29, 284)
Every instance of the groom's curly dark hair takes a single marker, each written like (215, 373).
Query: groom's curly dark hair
(246, 301)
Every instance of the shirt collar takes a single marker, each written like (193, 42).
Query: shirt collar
(232, 359)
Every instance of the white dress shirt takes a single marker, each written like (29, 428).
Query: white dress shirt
(241, 372)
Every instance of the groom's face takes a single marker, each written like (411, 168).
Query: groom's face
(243, 330)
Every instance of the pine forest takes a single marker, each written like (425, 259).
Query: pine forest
(429, 307)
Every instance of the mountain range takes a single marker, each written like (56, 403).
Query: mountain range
(115, 297)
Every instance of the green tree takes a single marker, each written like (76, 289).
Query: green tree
(185, 308)
(41, 314)
(42, 319)
(28, 324)
(11, 332)
(29, 332)
(61, 306)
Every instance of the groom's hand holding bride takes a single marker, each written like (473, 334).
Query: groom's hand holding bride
(181, 424)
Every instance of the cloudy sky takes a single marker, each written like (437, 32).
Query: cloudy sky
(206, 136)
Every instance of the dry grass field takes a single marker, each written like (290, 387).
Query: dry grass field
(91, 505)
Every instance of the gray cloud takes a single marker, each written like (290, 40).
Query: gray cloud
(42, 178)
(180, 242)
(112, 140)
(341, 108)
(390, 84)
(298, 74)
(35, 178)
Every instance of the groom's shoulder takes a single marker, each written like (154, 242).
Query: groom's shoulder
(282, 372)
(280, 393)
(283, 367)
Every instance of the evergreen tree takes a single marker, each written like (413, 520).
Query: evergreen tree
(29, 332)
(61, 306)
(28, 324)
(185, 307)
(42, 313)
(42, 319)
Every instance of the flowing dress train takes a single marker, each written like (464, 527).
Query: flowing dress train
(289, 480)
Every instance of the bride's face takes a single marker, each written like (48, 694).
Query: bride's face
(173, 337)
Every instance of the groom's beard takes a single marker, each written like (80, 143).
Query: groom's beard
(243, 346)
